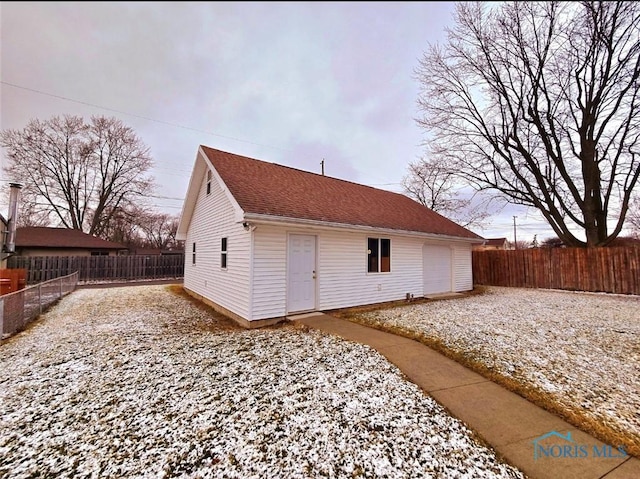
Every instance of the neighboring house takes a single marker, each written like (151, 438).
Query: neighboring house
(264, 241)
(42, 241)
(492, 243)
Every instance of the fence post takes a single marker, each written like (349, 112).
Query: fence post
(40, 296)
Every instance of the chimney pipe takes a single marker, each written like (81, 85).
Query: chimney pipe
(12, 217)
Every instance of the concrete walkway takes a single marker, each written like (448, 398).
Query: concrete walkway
(505, 420)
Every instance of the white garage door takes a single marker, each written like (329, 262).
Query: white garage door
(436, 269)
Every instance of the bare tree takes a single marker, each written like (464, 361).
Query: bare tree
(552, 242)
(434, 184)
(160, 230)
(540, 101)
(519, 244)
(124, 226)
(78, 174)
(30, 215)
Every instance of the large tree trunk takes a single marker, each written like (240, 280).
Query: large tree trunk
(592, 211)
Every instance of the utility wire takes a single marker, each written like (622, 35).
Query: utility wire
(176, 125)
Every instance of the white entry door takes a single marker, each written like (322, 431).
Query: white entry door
(301, 274)
(436, 269)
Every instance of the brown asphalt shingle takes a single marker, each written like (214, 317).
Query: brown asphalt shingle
(43, 237)
(266, 188)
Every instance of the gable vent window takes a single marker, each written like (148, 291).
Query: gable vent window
(209, 182)
(378, 255)
(193, 254)
(223, 254)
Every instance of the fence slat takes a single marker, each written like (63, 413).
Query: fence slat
(611, 270)
(100, 268)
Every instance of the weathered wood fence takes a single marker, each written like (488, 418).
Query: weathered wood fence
(611, 270)
(100, 268)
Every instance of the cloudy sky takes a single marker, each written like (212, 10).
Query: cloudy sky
(290, 83)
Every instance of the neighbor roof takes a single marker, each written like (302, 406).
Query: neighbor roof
(496, 241)
(266, 188)
(44, 237)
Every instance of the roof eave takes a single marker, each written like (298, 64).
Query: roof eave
(259, 218)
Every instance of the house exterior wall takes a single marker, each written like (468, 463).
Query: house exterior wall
(213, 219)
(269, 272)
(343, 277)
(341, 266)
(462, 272)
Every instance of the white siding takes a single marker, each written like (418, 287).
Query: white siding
(437, 268)
(212, 220)
(269, 272)
(342, 270)
(342, 278)
(462, 273)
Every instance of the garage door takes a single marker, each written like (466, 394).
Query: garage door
(436, 269)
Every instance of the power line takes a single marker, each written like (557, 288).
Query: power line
(164, 197)
(176, 125)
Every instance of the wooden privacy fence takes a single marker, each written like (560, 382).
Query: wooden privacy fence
(100, 268)
(610, 270)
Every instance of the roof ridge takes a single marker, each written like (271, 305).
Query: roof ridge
(303, 171)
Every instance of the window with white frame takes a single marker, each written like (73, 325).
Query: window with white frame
(378, 255)
(209, 182)
(193, 254)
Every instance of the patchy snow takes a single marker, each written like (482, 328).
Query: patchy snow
(581, 348)
(139, 382)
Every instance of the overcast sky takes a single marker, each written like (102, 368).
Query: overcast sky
(288, 83)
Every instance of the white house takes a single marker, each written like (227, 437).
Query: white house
(265, 241)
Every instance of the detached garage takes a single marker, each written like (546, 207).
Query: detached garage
(266, 241)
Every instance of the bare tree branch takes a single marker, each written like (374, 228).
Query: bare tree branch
(433, 183)
(539, 101)
(77, 174)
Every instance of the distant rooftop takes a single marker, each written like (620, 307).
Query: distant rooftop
(45, 237)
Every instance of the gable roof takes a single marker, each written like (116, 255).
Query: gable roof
(44, 237)
(275, 191)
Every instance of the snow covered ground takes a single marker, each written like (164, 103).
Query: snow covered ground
(139, 382)
(581, 348)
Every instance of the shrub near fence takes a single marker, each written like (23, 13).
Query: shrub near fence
(610, 270)
(100, 268)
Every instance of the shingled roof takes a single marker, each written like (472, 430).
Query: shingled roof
(44, 237)
(266, 188)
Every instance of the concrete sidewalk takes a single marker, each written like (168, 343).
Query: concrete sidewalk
(505, 420)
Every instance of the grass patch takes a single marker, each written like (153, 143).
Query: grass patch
(604, 432)
(577, 418)
(215, 321)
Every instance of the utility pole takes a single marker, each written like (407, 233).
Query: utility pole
(515, 237)
(322, 165)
